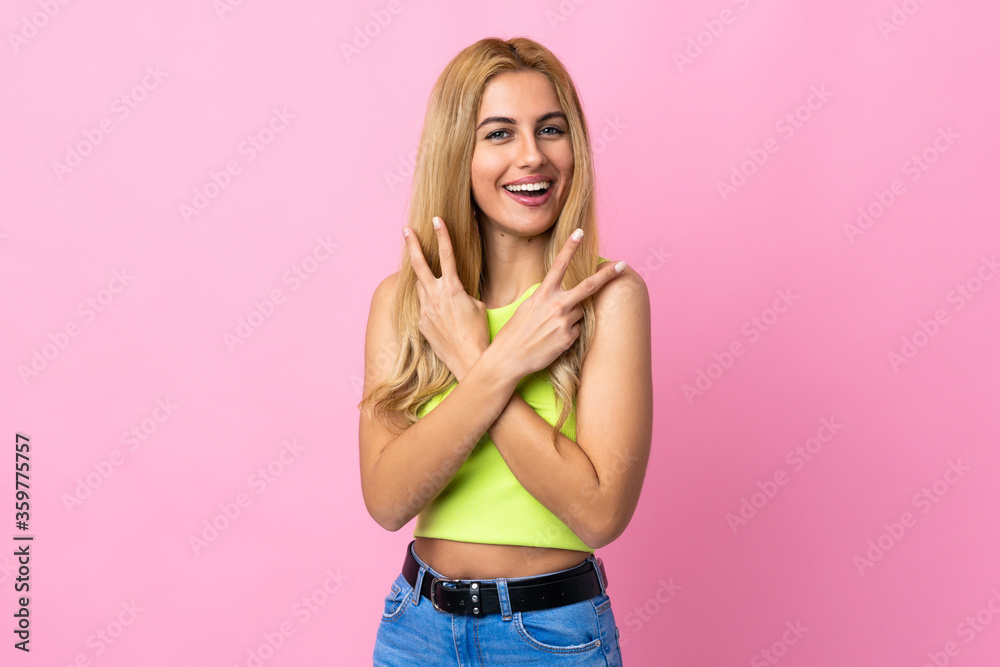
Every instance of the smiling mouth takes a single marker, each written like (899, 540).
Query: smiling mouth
(531, 198)
(528, 192)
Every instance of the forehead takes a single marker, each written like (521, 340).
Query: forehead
(520, 95)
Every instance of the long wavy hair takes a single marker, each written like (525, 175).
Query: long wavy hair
(442, 186)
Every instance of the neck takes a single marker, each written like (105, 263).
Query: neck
(512, 264)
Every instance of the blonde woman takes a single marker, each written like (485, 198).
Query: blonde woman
(514, 425)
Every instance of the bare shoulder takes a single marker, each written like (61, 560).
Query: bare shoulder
(625, 296)
(385, 290)
(381, 341)
(380, 310)
(382, 347)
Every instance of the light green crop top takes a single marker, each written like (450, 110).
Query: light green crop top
(484, 502)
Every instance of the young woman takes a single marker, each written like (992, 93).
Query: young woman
(522, 449)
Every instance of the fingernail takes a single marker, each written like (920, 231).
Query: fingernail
(437, 222)
(406, 233)
(577, 235)
(620, 266)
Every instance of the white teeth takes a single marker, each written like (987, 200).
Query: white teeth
(529, 186)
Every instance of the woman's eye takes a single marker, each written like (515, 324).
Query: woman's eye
(556, 131)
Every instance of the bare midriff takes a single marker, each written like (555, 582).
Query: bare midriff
(472, 560)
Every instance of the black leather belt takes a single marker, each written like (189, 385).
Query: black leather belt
(477, 598)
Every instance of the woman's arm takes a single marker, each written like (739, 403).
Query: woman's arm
(401, 474)
(593, 484)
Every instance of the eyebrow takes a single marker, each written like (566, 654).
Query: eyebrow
(502, 119)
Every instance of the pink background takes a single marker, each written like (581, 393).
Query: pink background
(691, 585)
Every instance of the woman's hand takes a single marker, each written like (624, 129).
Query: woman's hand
(547, 323)
(453, 322)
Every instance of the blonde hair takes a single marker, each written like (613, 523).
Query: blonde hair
(442, 186)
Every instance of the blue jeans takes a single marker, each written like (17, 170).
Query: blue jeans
(412, 632)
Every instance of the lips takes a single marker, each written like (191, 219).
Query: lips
(530, 201)
(535, 178)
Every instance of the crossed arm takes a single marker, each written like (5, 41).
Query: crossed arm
(593, 484)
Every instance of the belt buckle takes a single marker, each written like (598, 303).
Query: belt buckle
(434, 581)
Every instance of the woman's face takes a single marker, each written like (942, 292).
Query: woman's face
(531, 140)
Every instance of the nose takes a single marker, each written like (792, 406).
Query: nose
(529, 155)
